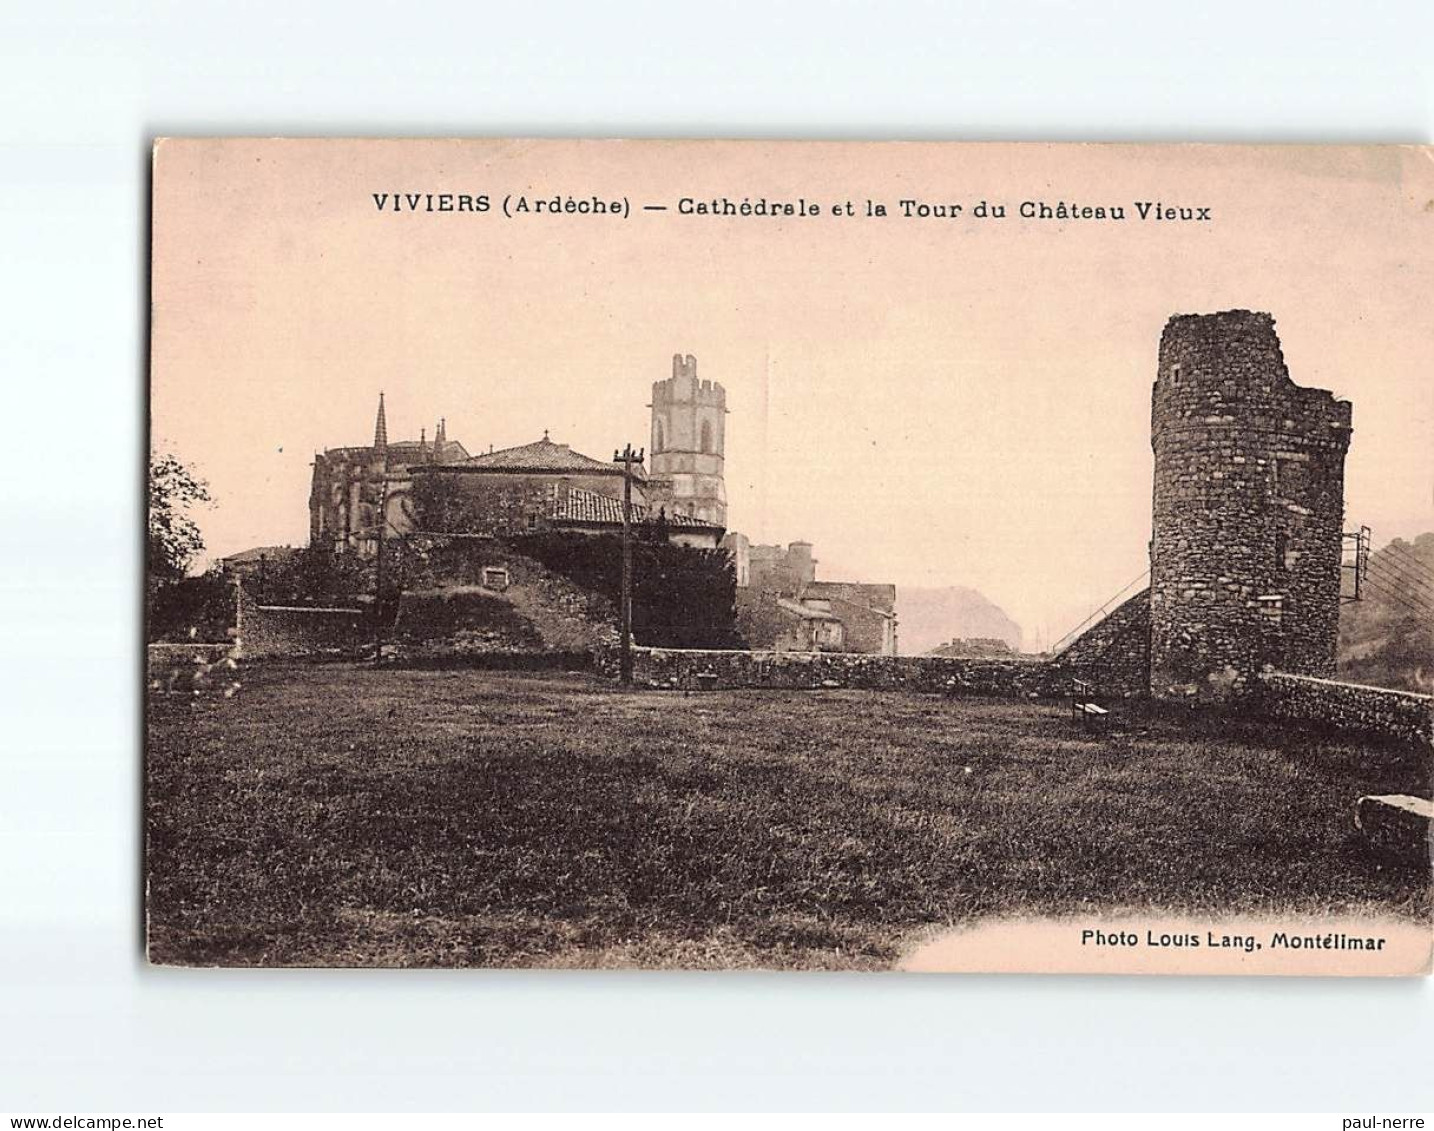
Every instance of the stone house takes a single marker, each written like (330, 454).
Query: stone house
(546, 486)
(775, 582)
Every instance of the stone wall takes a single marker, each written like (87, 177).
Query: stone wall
(679, 668)
(532, 608)
(1348, 706)
(1248, 510)
(1111, 655)
(1114, 653)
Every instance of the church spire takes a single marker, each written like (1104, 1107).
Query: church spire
(380, 428)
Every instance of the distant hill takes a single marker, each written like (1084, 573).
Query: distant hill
(1387, 639)
(928, 618)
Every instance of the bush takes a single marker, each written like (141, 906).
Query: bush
(313, 576)
(681, 597)
(189, 610)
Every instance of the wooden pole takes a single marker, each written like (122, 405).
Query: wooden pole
(378, 571)
(627, 457)
(625, 644)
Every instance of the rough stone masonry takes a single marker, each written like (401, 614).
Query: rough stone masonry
(1248, 510)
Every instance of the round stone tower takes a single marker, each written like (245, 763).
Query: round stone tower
(689, 435)
(1248, 518)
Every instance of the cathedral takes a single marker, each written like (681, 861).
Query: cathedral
(392, 488)
(352, 487)
(361, 494)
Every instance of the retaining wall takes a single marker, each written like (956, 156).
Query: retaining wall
(1348, 706)
(478, 596)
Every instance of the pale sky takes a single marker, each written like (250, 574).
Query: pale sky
(947, 402)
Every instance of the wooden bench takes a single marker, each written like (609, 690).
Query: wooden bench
(1085, 707)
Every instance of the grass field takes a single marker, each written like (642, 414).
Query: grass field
(340, 815)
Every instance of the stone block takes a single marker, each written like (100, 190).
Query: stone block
(1397, 824)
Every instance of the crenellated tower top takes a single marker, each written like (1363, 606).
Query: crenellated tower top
(689, 439)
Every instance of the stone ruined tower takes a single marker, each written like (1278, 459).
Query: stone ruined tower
(689, 436)
(1248, 510)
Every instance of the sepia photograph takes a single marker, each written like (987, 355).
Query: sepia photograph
(927, 557)
(781, 557)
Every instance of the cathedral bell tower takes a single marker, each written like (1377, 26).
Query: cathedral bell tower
(689, 436)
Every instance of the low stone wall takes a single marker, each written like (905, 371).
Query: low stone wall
(1111, 655)
(1348, 706)
(680, 668)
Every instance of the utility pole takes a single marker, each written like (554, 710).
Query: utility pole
(627, 457)
(380, 448)
(378, 576)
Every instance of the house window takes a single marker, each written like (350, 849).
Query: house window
(495, 577)
(1282, 549)
(657, 437)
(1175, 374)
(706, 437)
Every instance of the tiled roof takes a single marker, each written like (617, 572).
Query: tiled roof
(541, 456)
(590, 506)
(271, 552)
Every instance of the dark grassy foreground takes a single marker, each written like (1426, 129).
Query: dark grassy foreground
(333, 815)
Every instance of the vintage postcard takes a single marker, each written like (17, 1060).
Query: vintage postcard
(757, 555)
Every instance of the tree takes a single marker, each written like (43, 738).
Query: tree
(315, 575)
(683, 597)
(174, 538)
